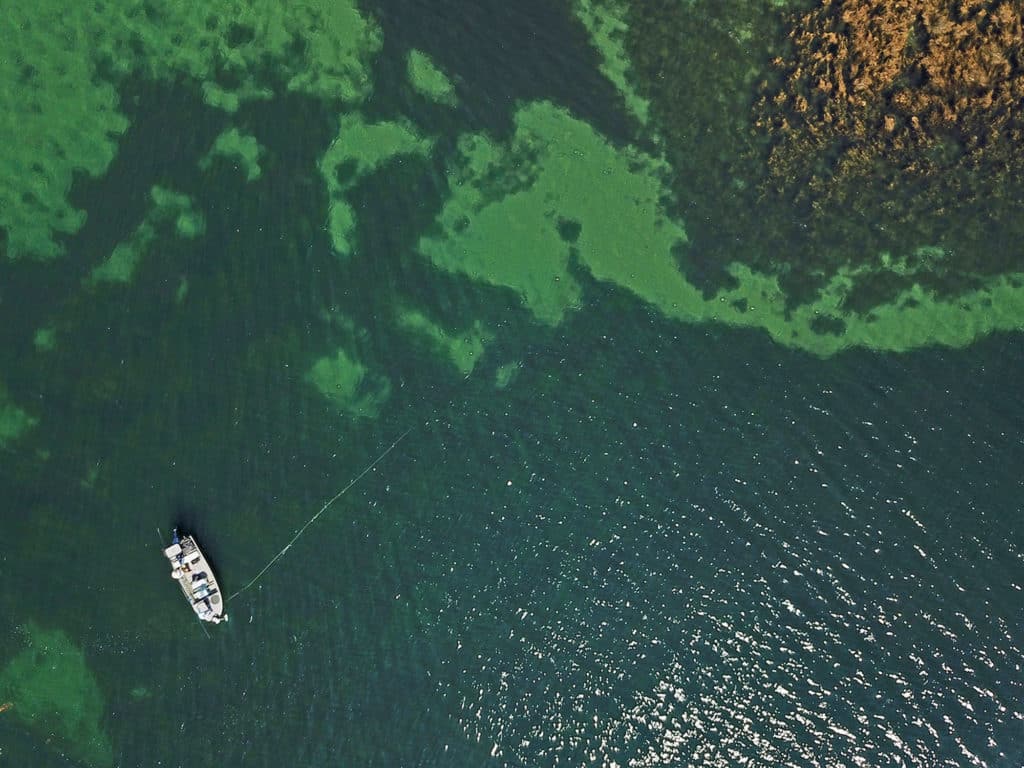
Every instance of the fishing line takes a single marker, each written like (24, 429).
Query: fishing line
(323, 509)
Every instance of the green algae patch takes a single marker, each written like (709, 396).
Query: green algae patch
(917, 317)
(45, 339)
(359, 149)
(57, 120)
(463, 349)
(605, 21)
(348, 383)
(429, 81)
(91, 476)
(168, 208)
(14, 422)
(506, 373)
(230, 100)
(140, 693)
(169, 205)
(238, 147)
(119, 266)
(182, 291)
(519, 212)
(323, 48)
(62, 63)
(56, 696)
(341, 42)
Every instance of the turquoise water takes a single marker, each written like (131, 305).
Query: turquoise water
(617, 539)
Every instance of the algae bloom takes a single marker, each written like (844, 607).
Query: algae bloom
(57, 697)
(348, 383)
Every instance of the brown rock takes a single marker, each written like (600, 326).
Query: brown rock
(884, 83)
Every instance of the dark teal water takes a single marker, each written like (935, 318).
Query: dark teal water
(661, 544)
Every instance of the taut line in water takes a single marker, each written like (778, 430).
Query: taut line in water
(323, 509)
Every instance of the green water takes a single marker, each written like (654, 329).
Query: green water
(246, 246)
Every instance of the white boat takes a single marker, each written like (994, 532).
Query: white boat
(194, 575)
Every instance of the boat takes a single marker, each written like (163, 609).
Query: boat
(194, 575)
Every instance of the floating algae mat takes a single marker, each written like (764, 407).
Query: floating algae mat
(62, 116)
(56, 696)
(359, 149)
(464, 348)
(168, 208)
(237, 147)
(345, 381)
(519, 213)
(428, 80)
(13, 421)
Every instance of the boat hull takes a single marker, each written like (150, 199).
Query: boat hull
(192, 571)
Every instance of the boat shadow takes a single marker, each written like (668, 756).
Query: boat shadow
(189, 520)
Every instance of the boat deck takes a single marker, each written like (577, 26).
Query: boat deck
(194, 575)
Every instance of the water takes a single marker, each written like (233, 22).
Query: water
(660, 543)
